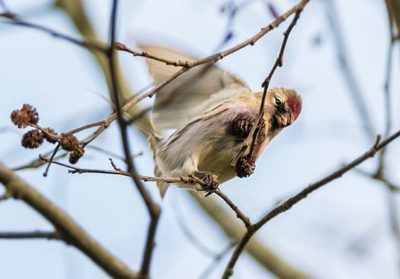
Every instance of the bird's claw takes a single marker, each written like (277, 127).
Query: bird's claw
(209, 184)
(245, 166)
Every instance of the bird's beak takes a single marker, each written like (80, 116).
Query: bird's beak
(288, 120)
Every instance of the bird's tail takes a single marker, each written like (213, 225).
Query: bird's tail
(154, 141)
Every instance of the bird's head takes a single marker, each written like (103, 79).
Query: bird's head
(286, 105)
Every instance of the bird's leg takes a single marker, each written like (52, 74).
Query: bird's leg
(209, 183)
(245, 166)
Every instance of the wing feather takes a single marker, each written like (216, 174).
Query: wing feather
(192, 92)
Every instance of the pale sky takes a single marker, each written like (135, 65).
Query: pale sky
(340, 231)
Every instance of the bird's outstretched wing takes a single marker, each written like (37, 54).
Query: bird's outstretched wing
(192, 92)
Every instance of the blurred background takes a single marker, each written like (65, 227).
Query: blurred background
(337, 58)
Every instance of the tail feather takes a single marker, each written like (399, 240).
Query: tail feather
(154, 141)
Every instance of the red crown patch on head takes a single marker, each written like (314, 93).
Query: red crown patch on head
(294, 104)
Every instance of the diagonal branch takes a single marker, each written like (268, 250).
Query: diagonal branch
(261, 253)
(153, 208)
(286, 205)
(185, 179)
(278, 63)
(187, 65)
(70, 231)
(16, 20)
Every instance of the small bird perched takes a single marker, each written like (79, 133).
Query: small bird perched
(213, 112)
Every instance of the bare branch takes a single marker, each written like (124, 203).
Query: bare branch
(278, 63)
(31, 235)
(256, 248)
(153, 208)
(64, 224)
(187, 65)
(220, 55)
(235, 208)
(16, 20)
(124, 48)
(217, 259)
(286, 205)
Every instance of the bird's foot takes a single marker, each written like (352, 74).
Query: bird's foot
(245, 166)
(209, 184)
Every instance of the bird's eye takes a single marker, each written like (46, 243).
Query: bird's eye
(278, 102)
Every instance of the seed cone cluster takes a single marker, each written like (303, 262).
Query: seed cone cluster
(27, 116)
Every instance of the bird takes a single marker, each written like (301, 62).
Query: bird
(212, 113)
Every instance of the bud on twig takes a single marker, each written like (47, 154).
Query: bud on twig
(75, 155)
(50, 135)
(32, 139)
(25, 116)
(69, 142)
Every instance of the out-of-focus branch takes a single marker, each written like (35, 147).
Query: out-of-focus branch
(74, 9)
(65, 226)
(185, 179)
(393, 8)
(117, 171)
(286, 205)
(187, 65)
(76, 12)
(255, 248)
(153, 208)
(16, 20)
(354, 89)
(217, 259)
(380, 171)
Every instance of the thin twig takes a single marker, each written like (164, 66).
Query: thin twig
(85, 127)
(144, 178)
(390, 185)
(185, 179)
(235, 208)
(380, 174)
(266, 82)
(16, 20)
(51, 160)
(153, 208)
(49, 235)
(387, 102)
(220, 55)
(187, 65)
(37, 163)
(256, 248)
(64, 224)
(124, 48)
(286, 205)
